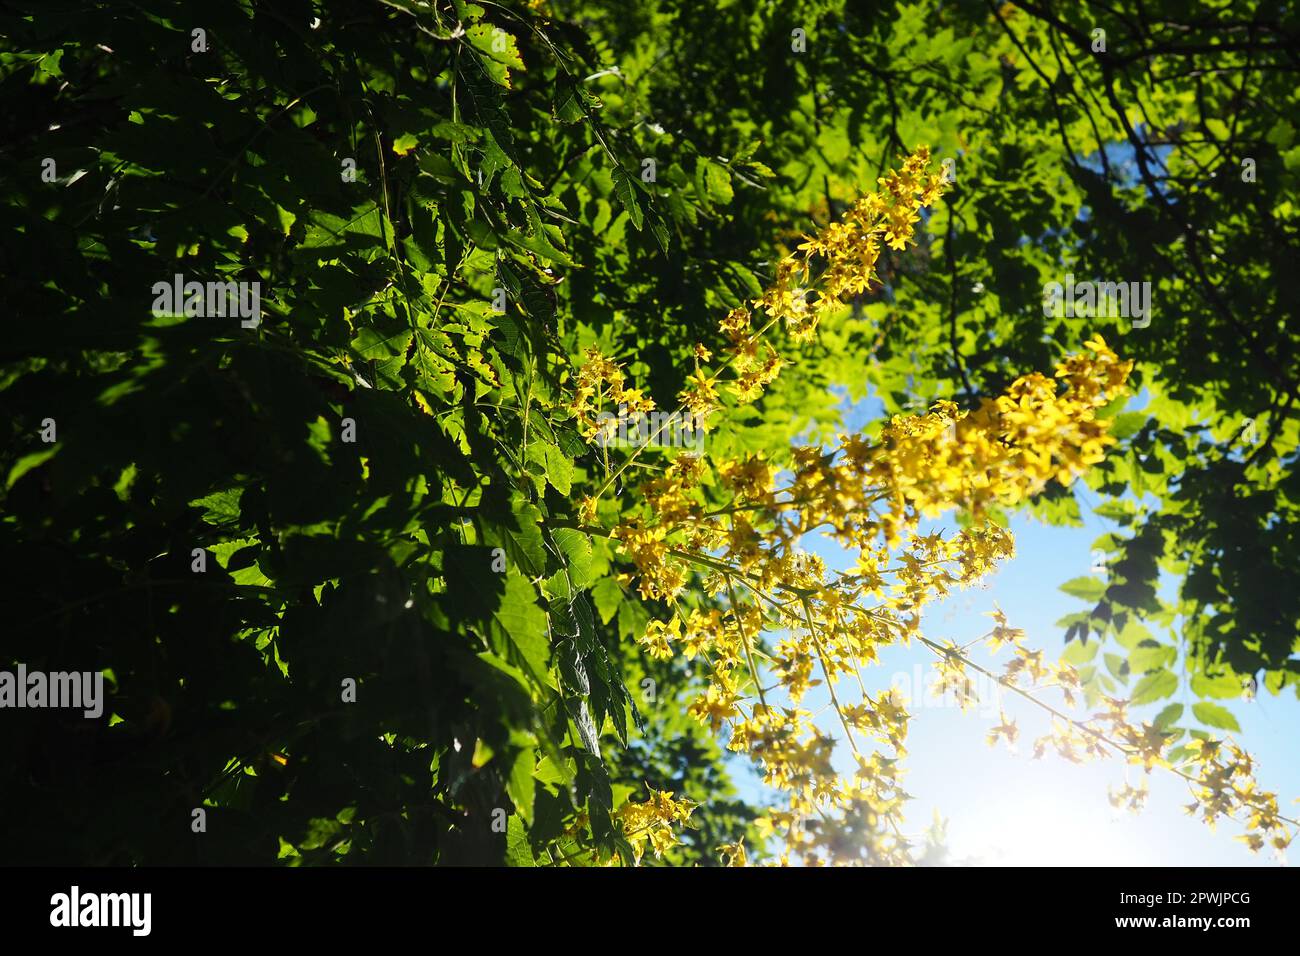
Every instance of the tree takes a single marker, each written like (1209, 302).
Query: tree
(299, 538)
(315, 323)
(1125, 142)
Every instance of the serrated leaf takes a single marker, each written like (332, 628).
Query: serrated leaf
(1223, 686)
(526, 539)
(588, 735)
(716, 182)
(1154, 686)
(559, 472)
(499, 52)
(573, 669)
(1133, 634)
(1118, 666)
(576, 550)
(1214, 715)
(625, 191)
(1118, 510)
(524, 624)
(520, 785)
(518, 850)
(1077, 652)
(1151, 655)
(221, 508)
(607, 596)
(1167, 716)
(1126, 424)
(570, 100)
(1089, 589)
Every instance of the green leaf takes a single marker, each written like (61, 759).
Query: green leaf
(1127, 424)
(526, 539)
(1118, 666)
(1154, 686)
(221, 508)
(1168, 715)
(625, 190)
(524, 624)
(1214, 715)
(26, 463)
(1089, 589)
(576, 548)
(518, 851)
(716, 182)
(588, 735)
(496, 43)
(1077, 652)
(1119, 510)
(520, 785)
(499, 53)
(559, 472)
(573, 668)
(570, 98)
(1151, 655)
(1133, 634)
(1224, 686)
(607, 596)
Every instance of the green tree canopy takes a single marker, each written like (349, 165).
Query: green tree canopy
(376, 479)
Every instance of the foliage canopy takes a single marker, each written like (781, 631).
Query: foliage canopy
(391, 171)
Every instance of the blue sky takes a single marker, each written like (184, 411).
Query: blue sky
(1010, 809)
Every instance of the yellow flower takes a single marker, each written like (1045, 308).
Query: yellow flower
(700, 396)
(770, 622)
(658, 638)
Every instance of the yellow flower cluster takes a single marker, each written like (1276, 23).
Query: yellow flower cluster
(600, 381)
(852, 245)
(754, 372)
(1129, 797)
(652, 822)
(733, 854)
(1220, 774)
(729, 521)
(1007, 450)
(768, 613)
(804, 289)
(1224, 785)
(747, 544)
(871, 493)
